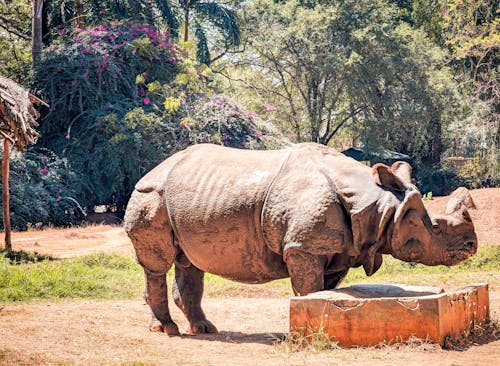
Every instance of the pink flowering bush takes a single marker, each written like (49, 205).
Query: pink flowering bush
(90, 74)
(123, 98)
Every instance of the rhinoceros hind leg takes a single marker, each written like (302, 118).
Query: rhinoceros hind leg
(149, 229)
(156, 297)
(187, 292)
(305, 270)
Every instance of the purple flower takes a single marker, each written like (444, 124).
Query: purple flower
(73, 83)
(67, 137)
(86, 73)
(45, 158)
(146, 101)
(86, 51)
(243, 143)
(45, 170)
(59, 198)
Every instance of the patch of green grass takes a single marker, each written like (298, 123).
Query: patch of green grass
(483, 267)
(112, 276)
(95, 276)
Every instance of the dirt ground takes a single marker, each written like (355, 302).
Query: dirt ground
(107, 332)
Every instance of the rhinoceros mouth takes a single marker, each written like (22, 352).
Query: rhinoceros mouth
(458, 256)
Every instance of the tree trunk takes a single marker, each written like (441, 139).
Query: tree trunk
(79, 20)
(6, 195)
(36, 32)
(186, 22)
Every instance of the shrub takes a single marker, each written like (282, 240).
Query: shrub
(439, 181)
(92, 78)
(41, 190)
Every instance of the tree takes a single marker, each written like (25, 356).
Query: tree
(214, 24)
(204, 14)
(15, 19)
(330, 64)
(37, 31)
(471, 31)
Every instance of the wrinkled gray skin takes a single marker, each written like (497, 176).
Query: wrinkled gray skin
(306, 212)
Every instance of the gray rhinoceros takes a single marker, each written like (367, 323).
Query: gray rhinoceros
(305, 212)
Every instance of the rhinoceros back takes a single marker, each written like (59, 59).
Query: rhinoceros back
(214, 198)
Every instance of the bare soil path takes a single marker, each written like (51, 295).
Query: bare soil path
(103, 332)
(115, 333)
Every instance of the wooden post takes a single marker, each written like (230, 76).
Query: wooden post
(6, 195)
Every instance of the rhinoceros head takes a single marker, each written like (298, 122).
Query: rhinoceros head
(417, 235)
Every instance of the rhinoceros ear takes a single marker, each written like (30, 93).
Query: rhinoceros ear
(385, 177)
(403, 171)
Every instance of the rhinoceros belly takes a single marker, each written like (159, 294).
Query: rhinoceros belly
(215, 200)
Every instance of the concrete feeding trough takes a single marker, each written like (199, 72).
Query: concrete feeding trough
(368, 315)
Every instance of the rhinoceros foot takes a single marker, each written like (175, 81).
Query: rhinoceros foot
(170, 328)
(202, 326)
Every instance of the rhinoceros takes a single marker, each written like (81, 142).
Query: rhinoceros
(306, 212)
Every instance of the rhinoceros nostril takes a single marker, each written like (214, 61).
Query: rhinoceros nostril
(469, 245)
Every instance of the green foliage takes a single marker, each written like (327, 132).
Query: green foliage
(20, 257)
(82, 14)
(427, 197)
(220, 120)
(42, 190)
(214, 24)
(477, 174)
(15, 17)
(216, 21)
(439, 181)
(471, 31)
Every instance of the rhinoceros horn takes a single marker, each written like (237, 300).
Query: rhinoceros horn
(460, 199)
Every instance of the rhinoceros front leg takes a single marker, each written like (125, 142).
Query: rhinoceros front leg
(306, 270)
(187, 292)
(332, 280)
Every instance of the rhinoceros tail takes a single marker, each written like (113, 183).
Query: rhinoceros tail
(148, 227)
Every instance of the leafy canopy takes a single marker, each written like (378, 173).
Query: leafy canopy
(330, 65)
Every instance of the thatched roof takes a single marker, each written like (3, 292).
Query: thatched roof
(17, 113)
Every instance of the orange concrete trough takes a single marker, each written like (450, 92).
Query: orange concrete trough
(368, 315)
